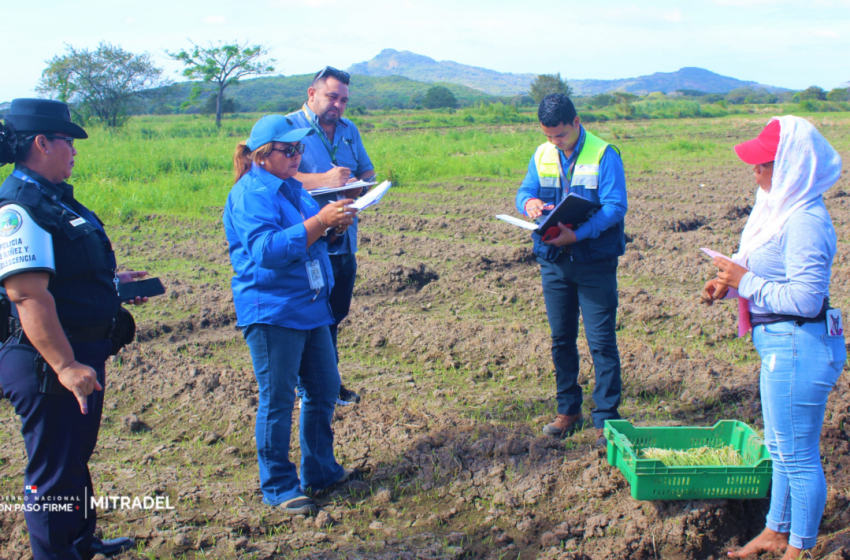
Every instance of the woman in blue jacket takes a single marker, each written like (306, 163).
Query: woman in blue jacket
(781, 274)
(282, 278)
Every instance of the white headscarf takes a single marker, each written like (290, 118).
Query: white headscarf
(806, 166)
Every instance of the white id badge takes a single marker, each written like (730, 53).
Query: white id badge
(314, 273)
(834, 325)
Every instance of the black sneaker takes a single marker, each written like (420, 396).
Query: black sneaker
(347, 397)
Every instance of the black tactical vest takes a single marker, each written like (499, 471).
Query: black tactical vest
(84, 285)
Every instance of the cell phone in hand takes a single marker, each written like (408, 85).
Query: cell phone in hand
(128, 291)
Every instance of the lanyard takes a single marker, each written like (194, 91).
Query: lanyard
(101, 233)
(20, 175)
(567, 179)
(309, 253)
(321, 133)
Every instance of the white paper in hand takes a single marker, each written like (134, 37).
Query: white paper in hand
(713, 254)
(372, 197)
(517, 222)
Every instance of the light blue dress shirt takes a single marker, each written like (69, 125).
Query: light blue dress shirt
(611, 190)
(320, 155)
(789, 275)
(264, 224)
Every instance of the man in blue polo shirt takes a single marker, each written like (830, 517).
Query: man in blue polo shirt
(579, 268)
(334, 156)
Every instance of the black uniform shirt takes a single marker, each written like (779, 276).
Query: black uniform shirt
(44, 229)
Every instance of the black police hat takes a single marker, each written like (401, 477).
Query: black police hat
(42, 115)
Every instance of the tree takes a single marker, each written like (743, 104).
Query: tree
(813, 93)
(602, 100)
(223, 65)
(839, 94)
(439, 96)
(104, 83)
(545, 84)
(624, 102)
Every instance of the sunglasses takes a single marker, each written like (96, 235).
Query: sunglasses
(340, 75)
(290, 151)
(67, 139)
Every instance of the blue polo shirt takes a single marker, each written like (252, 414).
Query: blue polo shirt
(321, 154)
(610, 193)
(264, 224)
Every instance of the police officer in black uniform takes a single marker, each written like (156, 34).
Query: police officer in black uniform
(58, 271)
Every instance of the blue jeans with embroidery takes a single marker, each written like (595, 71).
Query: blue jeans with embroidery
(283, 357)
(799, 368)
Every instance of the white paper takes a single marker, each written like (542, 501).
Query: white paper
(713, 254)
(355, 185)
(372, 197)
(517, 222)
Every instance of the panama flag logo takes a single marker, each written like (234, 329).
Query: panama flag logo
(31, 489)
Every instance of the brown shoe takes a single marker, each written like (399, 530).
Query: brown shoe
(564, 425)
(600, 438)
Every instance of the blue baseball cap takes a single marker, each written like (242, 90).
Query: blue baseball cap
(276, 128)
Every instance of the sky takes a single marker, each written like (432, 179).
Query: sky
(783, 43)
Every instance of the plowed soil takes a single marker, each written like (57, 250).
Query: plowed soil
(448, 344)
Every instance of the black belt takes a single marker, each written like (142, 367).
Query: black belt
(770, 318)
(89, 334)
(80, 335)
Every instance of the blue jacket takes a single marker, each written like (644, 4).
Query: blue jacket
(602, 237)
(348, 151)
(264, 223)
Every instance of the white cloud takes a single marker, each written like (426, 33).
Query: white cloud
(675, 15)
(214, 20)
(826, 33)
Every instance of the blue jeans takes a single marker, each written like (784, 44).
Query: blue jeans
(283, 357)
(59, 440)
(591, 288)
(799, 367)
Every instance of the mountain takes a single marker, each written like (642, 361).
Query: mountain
(282, 94)
(686, 78)
(391, 62)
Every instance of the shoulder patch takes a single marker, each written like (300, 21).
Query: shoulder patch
(24, 245)
(10, 220)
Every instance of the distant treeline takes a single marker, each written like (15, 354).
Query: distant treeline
(281, 94)
(369, 93)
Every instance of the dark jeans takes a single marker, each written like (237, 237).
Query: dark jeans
(283, 357)
(591, 288)
(59, 440)
(345, 272)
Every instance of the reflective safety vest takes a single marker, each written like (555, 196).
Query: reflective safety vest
(586, 172)
(583, 180)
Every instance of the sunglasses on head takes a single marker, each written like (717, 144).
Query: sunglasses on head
(290, 151)
(340, 75)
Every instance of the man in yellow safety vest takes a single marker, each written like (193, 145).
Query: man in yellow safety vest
(579, 266)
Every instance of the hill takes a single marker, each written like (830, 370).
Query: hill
(280, 94)
(391, 62)
(419, 67)
(686, 78)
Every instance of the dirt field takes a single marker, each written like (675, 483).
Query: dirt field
(448, 343)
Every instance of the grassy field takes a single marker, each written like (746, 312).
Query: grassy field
(448, 343)
(181, 165)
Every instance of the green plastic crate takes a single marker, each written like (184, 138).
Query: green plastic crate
(651, 480)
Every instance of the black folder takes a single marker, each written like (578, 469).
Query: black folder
(573, 211)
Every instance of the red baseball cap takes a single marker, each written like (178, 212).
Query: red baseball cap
(761, 149)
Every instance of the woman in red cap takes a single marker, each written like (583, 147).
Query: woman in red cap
(781, 276)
